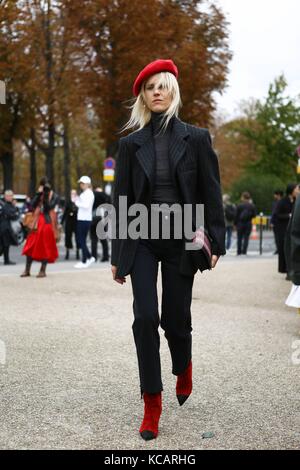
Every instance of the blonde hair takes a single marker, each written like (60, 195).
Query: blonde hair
(141, 114)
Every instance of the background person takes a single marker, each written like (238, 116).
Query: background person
(41, 241)
(292, 253)
(100, 198)
(84, 203)
(8, 212)
(69, 219)
(229, 213)
(283, 214)
(278, 195)
(245, 212)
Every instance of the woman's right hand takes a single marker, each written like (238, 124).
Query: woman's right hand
(119, 280)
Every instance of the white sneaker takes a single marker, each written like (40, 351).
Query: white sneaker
(90, 261)
(80, 265)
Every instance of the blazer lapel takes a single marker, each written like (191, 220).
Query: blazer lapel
(146, 153)
(177, 147)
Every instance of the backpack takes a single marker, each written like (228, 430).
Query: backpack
(230, 212)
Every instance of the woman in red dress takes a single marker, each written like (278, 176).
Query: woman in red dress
(40, 244)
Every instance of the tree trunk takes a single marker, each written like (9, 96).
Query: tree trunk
(50, 155)
(7, 161)
(32, 156)
(67, 161)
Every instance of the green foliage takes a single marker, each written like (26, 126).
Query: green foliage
(273, 127)
(261, 187)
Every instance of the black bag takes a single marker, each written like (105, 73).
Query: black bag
(192, 260)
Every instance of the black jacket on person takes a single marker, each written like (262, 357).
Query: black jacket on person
(282, 213)
(273, 220)
(100, 198)
(46, 205)
(70, 213)
(292, 244)
(194, 170)
(8, 213)
(245, 212)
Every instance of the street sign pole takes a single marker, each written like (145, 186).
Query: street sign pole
(261, 233)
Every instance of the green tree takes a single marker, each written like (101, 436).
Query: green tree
(273, 126)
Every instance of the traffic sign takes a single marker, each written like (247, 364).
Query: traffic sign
(109, 163)
(108, 174)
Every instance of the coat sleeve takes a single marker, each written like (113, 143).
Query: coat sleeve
(295, 244)
(209, 179)
(122, 187)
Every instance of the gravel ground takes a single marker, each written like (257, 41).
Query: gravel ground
(69, 376)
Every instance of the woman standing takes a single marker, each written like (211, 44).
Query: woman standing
(283, 214)
(40, 244)
(84, 203)
(70, 220)
(164, 161)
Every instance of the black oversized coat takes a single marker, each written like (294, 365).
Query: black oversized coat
(194, 170)
(292, 244)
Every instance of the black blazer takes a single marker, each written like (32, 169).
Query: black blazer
(194, 170)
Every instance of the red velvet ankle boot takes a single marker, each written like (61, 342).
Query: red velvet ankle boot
(152, 412)
(184, 385)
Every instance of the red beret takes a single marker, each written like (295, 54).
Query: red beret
(159, 65)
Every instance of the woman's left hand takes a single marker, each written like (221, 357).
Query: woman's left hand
(214, 260)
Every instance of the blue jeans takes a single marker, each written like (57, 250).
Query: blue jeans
(82, 230)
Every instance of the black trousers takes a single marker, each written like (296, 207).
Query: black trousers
(281, 234)
(94, 242)
(175, 310)
(243, 234)
(70, 229)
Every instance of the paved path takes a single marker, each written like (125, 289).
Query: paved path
(68, 369)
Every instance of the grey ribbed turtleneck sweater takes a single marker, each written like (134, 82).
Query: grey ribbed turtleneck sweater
(164, 190)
